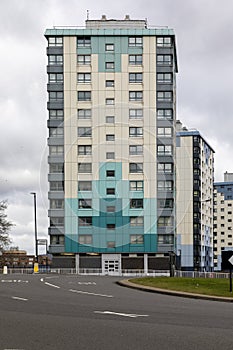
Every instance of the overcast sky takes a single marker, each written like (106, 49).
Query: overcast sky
(204, 32)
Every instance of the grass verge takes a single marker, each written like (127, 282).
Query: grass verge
(206, 286)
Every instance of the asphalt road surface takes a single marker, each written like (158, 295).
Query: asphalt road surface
(89, 312)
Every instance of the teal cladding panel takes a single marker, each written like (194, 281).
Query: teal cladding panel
(101, 217)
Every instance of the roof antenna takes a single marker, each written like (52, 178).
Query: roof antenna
(87, 15)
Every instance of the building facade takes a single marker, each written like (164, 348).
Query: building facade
(195, 174)
(223, 218)
(112, 111)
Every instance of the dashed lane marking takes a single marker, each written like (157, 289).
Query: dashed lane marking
(88, 293)
(119, 314)
(51, 285)
(13, 281)
(18, 298)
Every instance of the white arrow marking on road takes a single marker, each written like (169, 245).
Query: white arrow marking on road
(231, 260)
(99, 295)
(18, 298)
(119, 314)
(52, 285)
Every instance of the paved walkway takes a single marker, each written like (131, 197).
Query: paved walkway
(127, 283)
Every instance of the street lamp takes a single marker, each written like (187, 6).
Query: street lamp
(36, 247)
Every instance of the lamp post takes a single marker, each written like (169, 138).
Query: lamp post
(36, 247)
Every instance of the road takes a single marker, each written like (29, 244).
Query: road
(92, 312)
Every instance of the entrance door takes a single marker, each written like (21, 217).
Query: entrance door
(111, 267)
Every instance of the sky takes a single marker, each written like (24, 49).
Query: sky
(204, 32)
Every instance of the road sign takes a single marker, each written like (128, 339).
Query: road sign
(227, 259)
(231, 260)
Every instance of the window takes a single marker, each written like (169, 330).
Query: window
(136, 167)
(110, 155)
(84, 167)
(110, 191)
(110, 173)
(56, 150)
(165, 185)
(164, 60)
(109, 83)
(84, 95)
(55, 59)
(164, 41)
(56, 204)
(165, 239)
(109, 65)
(84, 186)
(135, 132)
(136, 203)
(55, 41)
(135, 60)
(85, 239)
(136, 149)
(56, 132)
(110, 119)
(164, 78)
(164, 150)
(109, 101)
(135, 41)
(55, 96)
(164, 113)
(84, 41)
(111, 226)
(165, 96)
(84, 132)
(84, 203)
(55, 78)
(85, 221)
(136, 221)
(84, 150)
(110, 137)
(135, 96)
(165, 221)
(164, 132)
(111, 244)
(135, 77)
(84, 59)
(56, 114)
(165, 203)
(110, 208)
(136, 186)
(56, 186)
(166, 168)
(135, 113)
(84, 113)
(56, 222)
(136, 239)
(109, 47)
(56, 168)
(84, 78)
(57, 239)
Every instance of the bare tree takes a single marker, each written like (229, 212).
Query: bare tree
(5, 226)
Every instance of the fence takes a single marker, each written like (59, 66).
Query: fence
(124, 273)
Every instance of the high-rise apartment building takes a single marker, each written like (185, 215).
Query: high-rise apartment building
(223, 218)
(195, 174)
(112, 113)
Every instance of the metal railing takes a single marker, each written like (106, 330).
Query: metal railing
(123, 272)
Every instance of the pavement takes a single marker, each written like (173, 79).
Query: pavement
(129, 284)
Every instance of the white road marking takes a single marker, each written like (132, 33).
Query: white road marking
(18, 298)
(82, 292)
(51, 285)
(119, 314)
(87, 283)
(13, 281)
